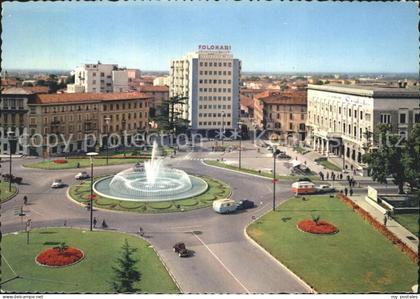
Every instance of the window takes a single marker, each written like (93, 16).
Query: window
(403, 118)
(349, 112)
(291, 116)
(361, 115)
(417, 118)
(385, 118)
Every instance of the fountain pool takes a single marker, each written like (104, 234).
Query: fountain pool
(152, 182)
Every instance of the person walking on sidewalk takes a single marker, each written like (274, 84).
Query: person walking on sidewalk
(351, 192)
(346, 191)
(385, 220)
(94, 221)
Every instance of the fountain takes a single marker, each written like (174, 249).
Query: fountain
(152, 182)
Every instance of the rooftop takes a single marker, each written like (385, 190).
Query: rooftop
(64, 98)
(154, 88)
(368, 90)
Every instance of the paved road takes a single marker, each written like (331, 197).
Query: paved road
(224, 260)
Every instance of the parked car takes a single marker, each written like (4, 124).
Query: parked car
(224, 206)
(14, 179)
(181, 249)
(324, 189)
(57, 183)
(245, 204)
(82, 175)
(304, 179)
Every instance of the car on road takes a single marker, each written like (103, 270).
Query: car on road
(245, 204)
(304, 179)
(82, 175)
(181, 249)
(57, 183)
(324, 189)
(14, 179)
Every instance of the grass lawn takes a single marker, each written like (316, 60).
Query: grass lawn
(72, 163)
(409, 221)
(357, 259)
(253, 171)
(92, 274)
(4, 189)
(216, 190)
(301, 150)
(328, 165)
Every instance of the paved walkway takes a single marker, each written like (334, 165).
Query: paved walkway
(401, 232)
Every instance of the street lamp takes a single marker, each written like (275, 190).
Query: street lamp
(91, 155)
(11, 138)
(222, 135)
(240, 144)
(107, 120)
(275, 153)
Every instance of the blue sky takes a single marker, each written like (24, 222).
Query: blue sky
(266, 36)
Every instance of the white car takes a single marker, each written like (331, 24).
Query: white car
(57, 184)
(324, 189)
(82, 176)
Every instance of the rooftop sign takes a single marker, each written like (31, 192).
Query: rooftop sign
(214, 47)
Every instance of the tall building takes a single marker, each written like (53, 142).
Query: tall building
(99, 78)
(210, 79)
(347, 114)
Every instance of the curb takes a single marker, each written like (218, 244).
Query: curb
(11, 195)
(104, 230)
(253, 242)
(236, 171)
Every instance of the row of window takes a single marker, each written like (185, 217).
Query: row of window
(216, 73)
(124, 106)
(214, 81)
(214, 123)
(117, 116)
(273, 115)
(216, 64)
(214, 106)
(301, 126)
(213, 115)
(11, 103)
(201, 89)
(215, 98)
(284, 107)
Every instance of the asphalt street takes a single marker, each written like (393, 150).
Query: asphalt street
(224, 260)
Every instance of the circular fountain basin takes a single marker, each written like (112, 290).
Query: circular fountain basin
(170, 184)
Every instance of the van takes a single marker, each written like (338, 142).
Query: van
(224, 206)
(303, 187)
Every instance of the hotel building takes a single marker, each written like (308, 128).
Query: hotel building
(209, 78)
(339, 117)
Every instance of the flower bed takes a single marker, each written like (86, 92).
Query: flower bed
(379, 227)
(322, 228)
(60, 161)
(57, 257)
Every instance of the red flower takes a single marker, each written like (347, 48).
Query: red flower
(323, 227)
(60, 161)
(55, 258)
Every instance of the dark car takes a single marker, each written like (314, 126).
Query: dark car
(14, 179)
(245, 204)
(304, 179)
(181, 249)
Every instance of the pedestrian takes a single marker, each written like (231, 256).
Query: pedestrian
(388, 214)
(341, 176)
(141, 232)
(328, 175)
(351, 192)
(348, 178)
(385, 220)
(333, 176)
(104, 225)
(346, 191)
(78, 165)
(94, 221)
(25, 200)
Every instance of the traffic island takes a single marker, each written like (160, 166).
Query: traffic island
(22, 273)
(217, 189)
(358, 259)
(5, 193)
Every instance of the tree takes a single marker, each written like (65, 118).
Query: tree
(70, 79)
(168, 117)
(395, 157)
(125, 272)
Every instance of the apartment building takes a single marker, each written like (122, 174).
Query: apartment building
(99, 78)
(68, 122)
(283, 113)
(158, 93)
(345, 115)
(210, 79)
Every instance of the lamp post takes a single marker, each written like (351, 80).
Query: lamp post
(107, 120)
(240, 145)
(275, 153)
(223, 127)
(11, 138)
(91, 155)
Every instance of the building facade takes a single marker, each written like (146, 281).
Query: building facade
(341, 118)
(210, 79)
(99, 78)
(52, 124)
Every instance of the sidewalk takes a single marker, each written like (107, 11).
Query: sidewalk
(401, 232)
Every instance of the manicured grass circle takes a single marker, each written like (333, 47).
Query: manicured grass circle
(55, 257)
(322, 227)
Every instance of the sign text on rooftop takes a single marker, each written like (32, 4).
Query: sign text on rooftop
(214, 47)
